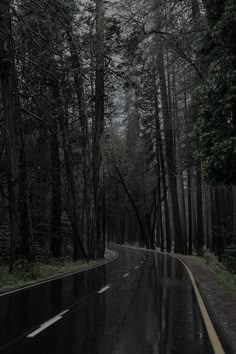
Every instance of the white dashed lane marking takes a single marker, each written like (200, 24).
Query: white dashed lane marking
(104, 289)
(47, 324)
(125, 275)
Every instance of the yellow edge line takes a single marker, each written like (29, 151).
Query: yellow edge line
(215, 342)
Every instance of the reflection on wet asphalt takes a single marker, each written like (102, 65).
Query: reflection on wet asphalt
(153, 309)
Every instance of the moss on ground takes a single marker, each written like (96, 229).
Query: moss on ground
(211, 263)
(26, 274)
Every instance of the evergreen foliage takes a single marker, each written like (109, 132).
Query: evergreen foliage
(215, 102)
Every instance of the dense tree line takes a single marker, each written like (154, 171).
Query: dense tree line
(118, 121)
(52, 115)
(174, 164)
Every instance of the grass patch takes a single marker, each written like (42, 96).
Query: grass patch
(211, 263)
(27, 274)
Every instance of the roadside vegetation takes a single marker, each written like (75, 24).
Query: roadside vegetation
(30, 273)
(211, 263)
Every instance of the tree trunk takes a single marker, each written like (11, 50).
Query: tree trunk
(170, 155)
(56, 208)
(160, 166)
(25, 215)
(179, 168)
(190, 236)
(98, 143)
(199, 232)
(20, 222)
(183, 210)
(78, 248)
(85, 143)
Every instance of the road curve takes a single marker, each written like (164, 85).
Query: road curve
(141, 303)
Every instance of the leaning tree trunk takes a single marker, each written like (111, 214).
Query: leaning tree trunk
(98, 144)
(143, 234)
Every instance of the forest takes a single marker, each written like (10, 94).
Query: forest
(117, 123)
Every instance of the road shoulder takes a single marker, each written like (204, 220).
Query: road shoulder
(219, 300)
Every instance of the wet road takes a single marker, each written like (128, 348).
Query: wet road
(141, 303)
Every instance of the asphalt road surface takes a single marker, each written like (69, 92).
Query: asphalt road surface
(141, 303)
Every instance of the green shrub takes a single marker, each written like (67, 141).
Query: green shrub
(229, 258)
(26, 271)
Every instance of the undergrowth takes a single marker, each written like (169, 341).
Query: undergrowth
(25, 273)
